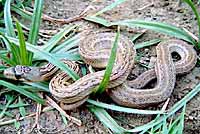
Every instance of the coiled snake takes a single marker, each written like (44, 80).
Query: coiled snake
(95, 51)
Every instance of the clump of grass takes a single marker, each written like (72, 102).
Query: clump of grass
(20, 51)
(18, 55)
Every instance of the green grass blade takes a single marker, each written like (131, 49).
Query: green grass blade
(184, 100)
(19, 3)
(154, 130)
(98, 20)
(109, 67)
(66, 55)
(23, 52)
(151, 125)
(2, 30)
(158, 27)
(109, 7)
(22, 109)
(6, 42)
(67, 45)
(110, 123)
(22, 91)
(155, 26)
(83, 70)
(8, 20)
(147, 43)
(3, 51)
(73, 51)
(41, 85)
(181, 124)
(7, 105)
(64, 119)
(106, 119)
(56, 38)
(173, 125)
(17, 105)
(8, 114)
(136, 36)
(123, 109)
(164, 126)
(74, 57)
(2, 67)
(17, 124)
(15, 54)
(21, 12)
(196, 13)
(1, 14)
(49, 57)
(37, 13)
(36, 19)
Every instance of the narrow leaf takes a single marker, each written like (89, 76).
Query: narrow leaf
(136, 36)
(181, 124)
(123, 109)
(164, 126)
(22, 91)
(155, 26)
(21, 12)
(109, 67)
(8, 20)
(56, 38)
(21, 109)
(147, 43)
(106, 119)
(67, 45)
(41, 85)
(109, 7)
(158, 27)
(6, 107)
(196, 13)
(35, 25)
(36, 19)
(17, 124)
(23, 51)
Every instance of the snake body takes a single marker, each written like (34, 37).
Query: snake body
(131, 93)
(95, 50)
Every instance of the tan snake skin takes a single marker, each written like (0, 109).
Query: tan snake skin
(95, 51)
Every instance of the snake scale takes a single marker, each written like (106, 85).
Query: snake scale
(95, 50)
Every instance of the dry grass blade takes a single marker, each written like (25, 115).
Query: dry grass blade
(70, 118)
(2, 123)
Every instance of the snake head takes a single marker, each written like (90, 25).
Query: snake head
(22, 73)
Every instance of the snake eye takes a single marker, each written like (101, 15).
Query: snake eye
(17, 74)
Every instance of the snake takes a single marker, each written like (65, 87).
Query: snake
(95, 49)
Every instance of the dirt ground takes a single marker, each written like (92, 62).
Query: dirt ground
(156, 10)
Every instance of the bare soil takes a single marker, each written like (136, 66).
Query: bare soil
(158, 10)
